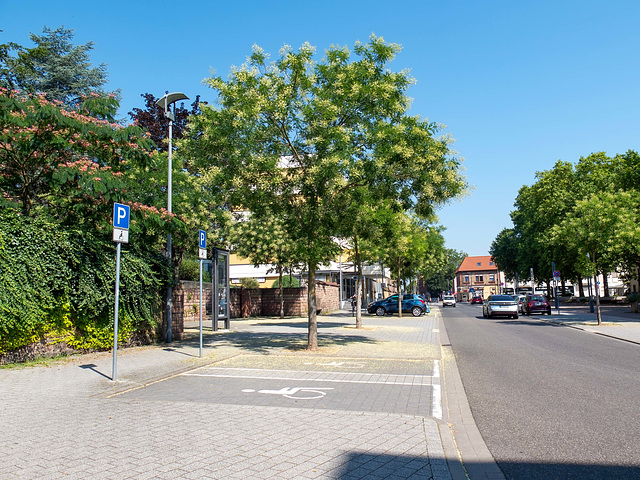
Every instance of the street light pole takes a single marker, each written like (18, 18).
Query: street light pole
(165, 102)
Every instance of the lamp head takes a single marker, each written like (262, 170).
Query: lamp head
(166, 101)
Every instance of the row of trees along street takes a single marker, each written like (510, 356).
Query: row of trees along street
(314, 150)
(584, 217)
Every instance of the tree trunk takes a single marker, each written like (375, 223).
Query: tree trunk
(595, 284)
(399, 290)
(358, 285)
(281, 292)
(245, 304)
(605, 283)
(580, 287)
(598, 314)
(311, 305)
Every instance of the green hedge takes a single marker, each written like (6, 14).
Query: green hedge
(58, 285)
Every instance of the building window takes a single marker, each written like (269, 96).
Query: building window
(492, 278)
(479, 264)
(479, 278)
(466, 279)
(491, 263)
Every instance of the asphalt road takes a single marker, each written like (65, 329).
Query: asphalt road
(551, 402)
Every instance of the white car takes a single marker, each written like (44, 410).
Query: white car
(496, 305)
(449, 300)
(520, 299)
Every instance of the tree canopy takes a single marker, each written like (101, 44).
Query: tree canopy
(295, 135)
(54, 65)
(571, 210)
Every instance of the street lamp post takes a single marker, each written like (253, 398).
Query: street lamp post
(165, 102)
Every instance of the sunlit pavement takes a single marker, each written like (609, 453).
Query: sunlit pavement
(367, 404)
(617, 320)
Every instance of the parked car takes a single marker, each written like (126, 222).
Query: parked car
(520, 299)
(448, 300)
(496, 305)
(411, 303)
(476, 300)
(537, 303)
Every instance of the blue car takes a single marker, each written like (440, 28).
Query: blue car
(411, 303)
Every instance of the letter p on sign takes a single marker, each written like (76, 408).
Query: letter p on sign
(121, 216)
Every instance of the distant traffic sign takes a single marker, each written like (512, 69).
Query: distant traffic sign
(556, 273)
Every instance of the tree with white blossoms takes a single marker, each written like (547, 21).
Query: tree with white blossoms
(263, 240)
(294, 136)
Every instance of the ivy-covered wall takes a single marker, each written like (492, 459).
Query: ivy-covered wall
(57, 286)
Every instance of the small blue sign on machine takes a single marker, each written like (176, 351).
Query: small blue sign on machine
(121, 223)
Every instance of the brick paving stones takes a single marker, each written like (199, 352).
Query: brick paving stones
(173, 415)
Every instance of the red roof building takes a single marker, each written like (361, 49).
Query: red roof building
(477, 276)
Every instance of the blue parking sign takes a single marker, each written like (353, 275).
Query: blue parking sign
(121, 216)
(203, 239)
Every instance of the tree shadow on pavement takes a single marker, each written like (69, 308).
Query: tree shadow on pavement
(266, 342)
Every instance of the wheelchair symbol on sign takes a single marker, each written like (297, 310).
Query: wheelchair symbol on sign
(296, 393)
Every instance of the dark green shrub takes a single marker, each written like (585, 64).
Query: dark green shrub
(59, 285)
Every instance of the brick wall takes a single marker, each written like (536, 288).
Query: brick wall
(248, 302)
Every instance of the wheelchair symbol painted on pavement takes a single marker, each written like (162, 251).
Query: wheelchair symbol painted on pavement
(296, 393)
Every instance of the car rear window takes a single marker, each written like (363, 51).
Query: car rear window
(537, 298)
(502, 298)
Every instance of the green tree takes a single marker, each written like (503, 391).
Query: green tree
(439, 278)
(504, 250)
(292, 136)
(411, 247)
(54, 66)
(263, 240)
(606, 226)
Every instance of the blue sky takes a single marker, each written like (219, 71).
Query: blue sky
(519, 85)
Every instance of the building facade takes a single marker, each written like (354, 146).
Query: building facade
(477, 277)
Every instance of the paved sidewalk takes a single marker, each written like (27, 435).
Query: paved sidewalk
(617, 320)
(70, 420)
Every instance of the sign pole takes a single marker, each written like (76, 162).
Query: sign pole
(120, 236)
(202, 255)
(533, 285)
(114, 368)
(200, 309)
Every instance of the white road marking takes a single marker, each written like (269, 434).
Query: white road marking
(333, 377)
(436, 395)
(292, 392)
(339, 364)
